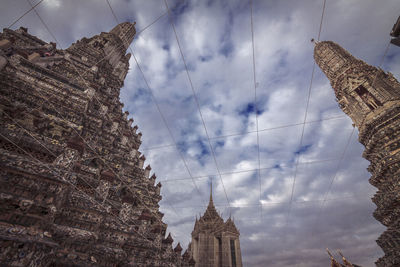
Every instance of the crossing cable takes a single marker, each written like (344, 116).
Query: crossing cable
(91, 148)
(166, 124)
(158, 107)
(338, 167)
(159, 110)
(255, 101)
(23, 15)
(41, 20)
(333, 178)
(195, 97)
(337, 199)
(360, 196)
(74, 186)
(113, 13)
(305, 118)
(250, 132)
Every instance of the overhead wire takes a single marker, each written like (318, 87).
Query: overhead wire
(159, 110)
(305, 117)
(23, 15)
(277, 166)
(120, 46)
(255, 101)
(196, 99)
(250, 132)
(116, 19)
(41, 20)
(361, 195)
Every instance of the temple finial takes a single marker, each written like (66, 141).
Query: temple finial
(329, 253)
(211, 199)
(314, 41)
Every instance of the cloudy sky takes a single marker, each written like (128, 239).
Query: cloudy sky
(293, 188)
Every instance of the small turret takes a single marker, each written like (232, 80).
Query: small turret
(169, 239)
(178, 248)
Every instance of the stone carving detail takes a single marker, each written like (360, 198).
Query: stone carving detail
(67, 158)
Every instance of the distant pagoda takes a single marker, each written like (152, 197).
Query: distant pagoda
(215, 242)
(73, 190)
(371, 98)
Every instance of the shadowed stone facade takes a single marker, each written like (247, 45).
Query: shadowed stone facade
(73, 188)
(214, 242)
(371, 98)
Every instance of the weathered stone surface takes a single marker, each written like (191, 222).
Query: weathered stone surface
(371, 98)
(73, 191)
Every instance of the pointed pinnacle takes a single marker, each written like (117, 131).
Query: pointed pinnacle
(211, 199)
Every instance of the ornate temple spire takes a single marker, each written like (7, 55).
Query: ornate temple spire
(125, 31)
(360, 89)
(333, 59)
(211, 212)
(111, 46)
(371, 98)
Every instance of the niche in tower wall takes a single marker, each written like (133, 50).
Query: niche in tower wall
(219, 251)
(233, 253)
(368, 98)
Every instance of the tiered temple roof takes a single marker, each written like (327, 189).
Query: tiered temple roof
(211, 221)
(214, 242)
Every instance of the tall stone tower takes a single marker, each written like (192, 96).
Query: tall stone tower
(215, 242)
(73, 188)
(371, 98)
